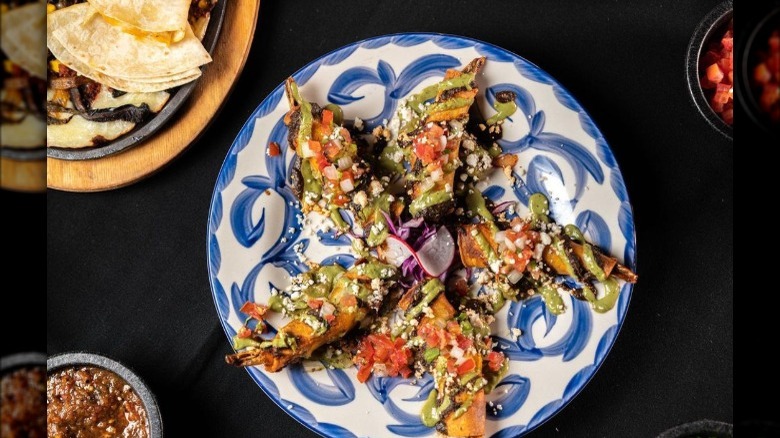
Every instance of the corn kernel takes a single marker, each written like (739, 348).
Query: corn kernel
(50, 8)
(54, 65)
(8, 66)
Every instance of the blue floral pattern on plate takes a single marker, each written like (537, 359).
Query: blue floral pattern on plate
(255, 233)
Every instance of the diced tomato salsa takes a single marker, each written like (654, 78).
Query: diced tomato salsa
(717, 79)
(766, 78)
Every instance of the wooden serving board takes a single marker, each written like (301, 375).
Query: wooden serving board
(23, 176)
(211, 91)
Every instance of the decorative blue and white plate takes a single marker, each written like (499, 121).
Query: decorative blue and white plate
(255, 231)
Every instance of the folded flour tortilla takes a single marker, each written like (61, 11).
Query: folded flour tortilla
(21, 37)
(80, 33)
(147, 15)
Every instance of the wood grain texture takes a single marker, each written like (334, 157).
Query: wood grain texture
(23, 176)
(210, 93)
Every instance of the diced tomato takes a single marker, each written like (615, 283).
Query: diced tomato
(726, 64)
(327, 117)
(430, 335)
(716, 104)
(341, 200)
(518, 261)
(315, 146)
(714, 73)
(424, 152)
(718, 61)
(728, 43)
(451, 367)
(273, 149)
(773, 63)
(728, 116)
(244, 332)
(254, 310)
(427, 144)
(464, 342)
(330, 318)
(315, 303)
(466, 366)
(331, 150)
(710, 57)
(453, 328)
(769, 96)
(364, 373)
(774, 42)
(380, 349)
(495, 360)
(321, 162)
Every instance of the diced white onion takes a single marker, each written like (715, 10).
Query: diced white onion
(330, 172)
(327, 309)
(426, 185)
(500, 236)
(437, 174)
(514, 276)
(346, 185)
(520, 243)
(457, 353)
(345, 163)
(509, 244)
(306, 152)
(443, 141)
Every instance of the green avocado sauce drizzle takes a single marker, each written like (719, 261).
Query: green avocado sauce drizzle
(540, 208)
(304, 130)
(429, 199)
(505, 109)
(416, 102)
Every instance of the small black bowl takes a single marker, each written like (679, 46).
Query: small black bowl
(712, 26)
(21, 360)
(698, 429)
(756, 42)
(67, 360)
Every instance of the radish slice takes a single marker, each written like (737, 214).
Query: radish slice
(437, 253)
(397, 251)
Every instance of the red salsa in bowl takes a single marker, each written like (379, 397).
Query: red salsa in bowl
(90, 395)
(716, 66)
(763, 71)
(710, 68)
(23, 405)
(89, 402)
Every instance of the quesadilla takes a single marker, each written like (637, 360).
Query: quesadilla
(22, 123)
(113, 64)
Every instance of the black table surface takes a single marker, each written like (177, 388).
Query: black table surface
(127, 270)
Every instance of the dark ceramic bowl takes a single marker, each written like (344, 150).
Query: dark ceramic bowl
(756, 43)
(35, 154)
(713, 26)
(700, 429)
(146, 129)
(21, 360)
(67, 360)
